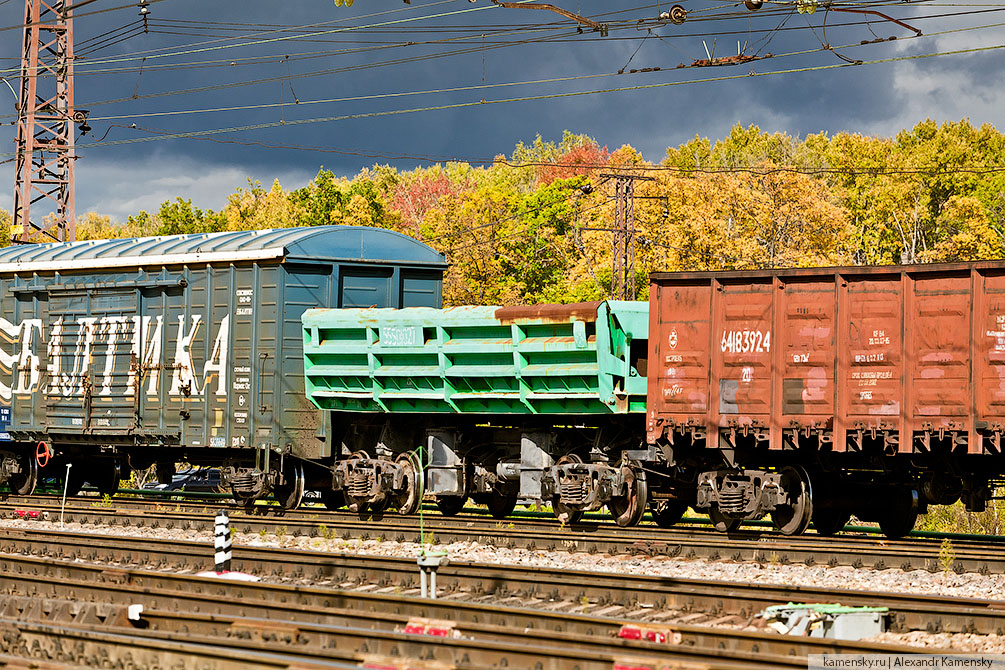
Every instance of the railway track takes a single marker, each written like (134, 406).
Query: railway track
(746, 545)
(636, 597)
(80, 645)
(67, 599)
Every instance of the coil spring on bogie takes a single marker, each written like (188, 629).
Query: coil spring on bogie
(573, 491)
(359, 484)
(731, 498)
(244, 483)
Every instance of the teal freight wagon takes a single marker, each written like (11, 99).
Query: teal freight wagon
(545, 359)
(544, 402)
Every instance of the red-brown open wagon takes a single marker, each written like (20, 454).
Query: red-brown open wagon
(818, 393)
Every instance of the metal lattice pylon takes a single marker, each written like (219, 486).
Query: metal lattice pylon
(623, 250)
(44, 170)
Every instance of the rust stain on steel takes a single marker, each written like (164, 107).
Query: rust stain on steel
(584, 311)
(552, 8)
(901, 354)
(738, 59)
(880, 14)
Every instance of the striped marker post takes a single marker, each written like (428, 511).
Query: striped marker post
(222, 542)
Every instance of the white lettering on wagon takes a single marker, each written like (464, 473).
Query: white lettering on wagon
(73, 383)
(146, 352)
(998, 335)
(94, 347)
(746, 341)
(183, 381)
(17, 347)
(879, 338)
(111, 325)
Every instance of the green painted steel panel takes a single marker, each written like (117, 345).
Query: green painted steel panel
(588, 358)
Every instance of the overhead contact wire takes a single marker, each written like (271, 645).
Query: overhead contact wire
(461, 105)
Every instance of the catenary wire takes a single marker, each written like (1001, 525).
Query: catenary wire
(752, 74)
(456, 89)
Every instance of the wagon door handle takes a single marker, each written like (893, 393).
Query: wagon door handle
(262, 357)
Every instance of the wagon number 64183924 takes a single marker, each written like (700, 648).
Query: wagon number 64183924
(746, 341)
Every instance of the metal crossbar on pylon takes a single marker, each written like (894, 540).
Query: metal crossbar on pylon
(43, 182)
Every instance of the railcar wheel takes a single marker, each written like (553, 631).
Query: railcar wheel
(409, 500)
(165, 473)
(501, 506)
(628, 510)
(667, 513)
(830, 522)
(332, 499)
(900, 515)
(566, 514)
(372, 511)
(793, 518)
(451, 505)
(105, 478)
(23, 484)
(291, 492)
(721, 522)
(73, 480)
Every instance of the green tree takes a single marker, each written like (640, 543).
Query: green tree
(181, 218)
(693, 155)
(331, 200)
(537, 243)
(895, 190)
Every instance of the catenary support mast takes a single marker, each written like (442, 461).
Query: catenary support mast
(623, 250)
(43, 182)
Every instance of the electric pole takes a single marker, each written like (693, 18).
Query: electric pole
(44, 164)
(623, 252)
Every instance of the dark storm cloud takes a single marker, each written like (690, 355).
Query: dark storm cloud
(120, 179)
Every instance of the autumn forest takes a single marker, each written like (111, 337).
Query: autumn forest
(525, 228)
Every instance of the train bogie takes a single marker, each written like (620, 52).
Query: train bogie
(540, 403)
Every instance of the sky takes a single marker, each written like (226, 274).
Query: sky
(211, 95)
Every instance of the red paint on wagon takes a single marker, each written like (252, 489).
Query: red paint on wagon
(905, 352)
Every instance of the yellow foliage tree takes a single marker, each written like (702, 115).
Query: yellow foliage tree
(795, 222)
(254, 208)
(5, 222)
(94, 226)
(969, 233)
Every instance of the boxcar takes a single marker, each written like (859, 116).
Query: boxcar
(819, 393)
(155, 350)
(544, 402)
